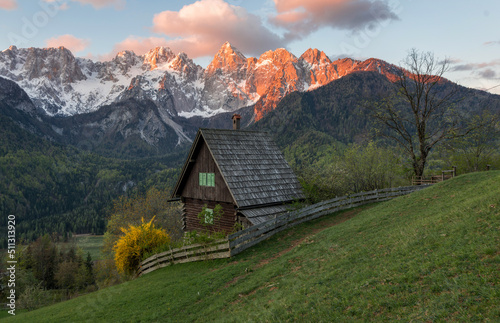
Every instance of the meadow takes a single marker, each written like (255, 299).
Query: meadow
(429, 256)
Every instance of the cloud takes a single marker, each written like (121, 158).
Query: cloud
(97, 4)
(487, 73)
(62, 4)
(302, 17)
(8, 4)
(463, 67)
(480, 72)
(199, 29)
(489, 43)
(475, 66)
(69, 41)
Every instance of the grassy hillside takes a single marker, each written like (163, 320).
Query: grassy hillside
(432, 255)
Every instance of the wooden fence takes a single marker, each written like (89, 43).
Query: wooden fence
(195, 252)
(445, 174)
(242, 240)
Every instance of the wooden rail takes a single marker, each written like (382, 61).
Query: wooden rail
(242, 240)
(195, 252)
(445, 174)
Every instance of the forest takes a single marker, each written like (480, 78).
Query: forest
(60, 189)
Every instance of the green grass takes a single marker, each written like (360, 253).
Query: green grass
(88, 243)
(430, 256)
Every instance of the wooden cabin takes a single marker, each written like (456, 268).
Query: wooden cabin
(242, 171)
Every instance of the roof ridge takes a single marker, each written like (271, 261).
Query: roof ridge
(234, 131)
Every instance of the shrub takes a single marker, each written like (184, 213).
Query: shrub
(129, 211)
(136, 241)
(208, 217)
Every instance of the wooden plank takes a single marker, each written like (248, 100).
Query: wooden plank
(242, 247)
(182, 249)
(217, 245)
(250, 229)
(209, 254)
(149, 259)
(261, 226)
(220, 255)
(250, 236)
(203, 257)
(187, 254)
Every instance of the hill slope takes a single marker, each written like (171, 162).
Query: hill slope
(432, 255)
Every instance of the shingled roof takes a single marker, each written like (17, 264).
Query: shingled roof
(252, 166)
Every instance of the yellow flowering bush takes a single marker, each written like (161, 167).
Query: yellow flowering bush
(137, 241)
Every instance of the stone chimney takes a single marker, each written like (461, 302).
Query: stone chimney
(236, 121)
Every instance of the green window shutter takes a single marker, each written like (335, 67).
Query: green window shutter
(209, 216)
(211, 179)
(203, 179)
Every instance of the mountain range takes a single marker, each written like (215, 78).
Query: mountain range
(157, 100)
(138, 106)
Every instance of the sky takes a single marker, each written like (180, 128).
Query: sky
(465, 32)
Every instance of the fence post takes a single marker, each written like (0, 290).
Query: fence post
(157, 264)
(454, 171)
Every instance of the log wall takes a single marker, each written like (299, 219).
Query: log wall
(192, 207)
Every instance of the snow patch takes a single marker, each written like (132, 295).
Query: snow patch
(263, 63)
(205, 112)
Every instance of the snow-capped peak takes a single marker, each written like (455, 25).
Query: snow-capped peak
(227, 58)
(61, 84)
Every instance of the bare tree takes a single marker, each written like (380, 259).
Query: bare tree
(421, 114)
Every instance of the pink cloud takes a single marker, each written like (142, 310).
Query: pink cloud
(8, 4)
(99, 4)
(62, 6)
(474, 66)
(488, 43)
(202, 27)
(302, 17)
(69, 41)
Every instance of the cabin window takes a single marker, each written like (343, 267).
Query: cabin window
(207, 179)
(209, 216)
